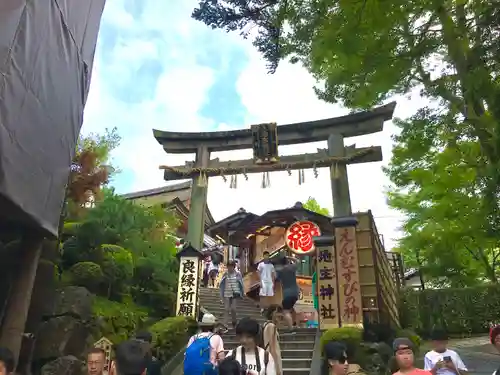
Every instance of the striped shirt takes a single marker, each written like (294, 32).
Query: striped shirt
(231, 286)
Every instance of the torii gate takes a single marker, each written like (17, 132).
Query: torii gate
(269, 136)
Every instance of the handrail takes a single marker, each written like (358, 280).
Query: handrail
(175, 364)
(316, 359)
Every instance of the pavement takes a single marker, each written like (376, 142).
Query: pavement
(480, 357)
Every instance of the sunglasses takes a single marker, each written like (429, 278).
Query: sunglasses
(342, 360)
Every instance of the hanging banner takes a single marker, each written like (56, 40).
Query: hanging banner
(299, 237)
(350, 301)
(187, 291)
(327, 288)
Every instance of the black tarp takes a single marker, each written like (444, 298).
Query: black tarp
(46, 54)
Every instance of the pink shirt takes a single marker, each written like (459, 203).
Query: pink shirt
(416, 371)
(216, 345)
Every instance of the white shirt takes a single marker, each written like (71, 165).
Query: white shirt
(251, 362)
(212, 267)
(432, 357)
(266, 271)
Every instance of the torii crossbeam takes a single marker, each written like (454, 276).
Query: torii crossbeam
(337, 156)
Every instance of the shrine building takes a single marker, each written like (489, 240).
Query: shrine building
(247, 236)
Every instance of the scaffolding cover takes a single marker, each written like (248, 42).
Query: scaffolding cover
(46, 54)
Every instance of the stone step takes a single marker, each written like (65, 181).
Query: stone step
(285, 331)
(291, 353)
(296, 371)
(284, 345)
(216, 298)
(289, 363)
(283, 337)
(216, 305)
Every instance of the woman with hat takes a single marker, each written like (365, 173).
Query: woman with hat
(197, 347)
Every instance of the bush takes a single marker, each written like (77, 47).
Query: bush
(170, 335)
(86, 274)
(117, 321)
(459, 311)
(350, 336)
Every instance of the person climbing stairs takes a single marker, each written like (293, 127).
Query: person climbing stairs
(296, 349)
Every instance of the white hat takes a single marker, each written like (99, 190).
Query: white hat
(208, 320)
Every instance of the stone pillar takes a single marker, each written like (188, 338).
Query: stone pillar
(338, 176)
(20, 297)
(198, 204)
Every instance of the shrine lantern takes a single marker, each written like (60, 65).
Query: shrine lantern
(299, 237)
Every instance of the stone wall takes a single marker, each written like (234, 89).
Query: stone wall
(64, 335)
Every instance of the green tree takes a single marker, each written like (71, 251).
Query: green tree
(438, 189)
(132, 245)
(90, 170)
(312, 205)
(363, 52)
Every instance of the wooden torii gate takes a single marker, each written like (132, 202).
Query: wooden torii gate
(337, 156)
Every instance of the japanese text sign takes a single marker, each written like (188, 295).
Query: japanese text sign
(299, 237)
(327, 288)
(187, 291)
(350, 302)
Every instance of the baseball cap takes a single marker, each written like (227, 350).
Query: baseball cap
(208, 320)
(131, 357)
(404, 342)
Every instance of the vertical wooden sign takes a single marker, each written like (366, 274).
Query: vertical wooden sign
(350, 301)
(187, 291)
(327, 288)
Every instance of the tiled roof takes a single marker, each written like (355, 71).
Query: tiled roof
(157, 191)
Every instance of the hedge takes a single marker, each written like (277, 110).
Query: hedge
(462, 311)
(117, 321)
(170, 335)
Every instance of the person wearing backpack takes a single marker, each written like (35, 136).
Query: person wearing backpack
(253, 359)
(204, 350)
(270, 337)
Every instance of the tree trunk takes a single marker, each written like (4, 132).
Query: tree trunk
(12, 330)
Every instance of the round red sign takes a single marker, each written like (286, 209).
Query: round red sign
(299, 236)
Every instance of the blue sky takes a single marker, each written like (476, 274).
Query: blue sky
(155, 67)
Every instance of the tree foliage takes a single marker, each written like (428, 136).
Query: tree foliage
(446, 165)
(90, 169)
(131, 245)
(312, 205)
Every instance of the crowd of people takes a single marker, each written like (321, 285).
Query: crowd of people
(258, 352)
(284, 270)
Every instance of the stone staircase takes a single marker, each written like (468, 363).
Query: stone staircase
(296, 349)
(210, 300)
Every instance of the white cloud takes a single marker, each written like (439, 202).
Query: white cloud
(182, 90)
(288, 97)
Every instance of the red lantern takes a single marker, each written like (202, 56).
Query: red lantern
(299, 237)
